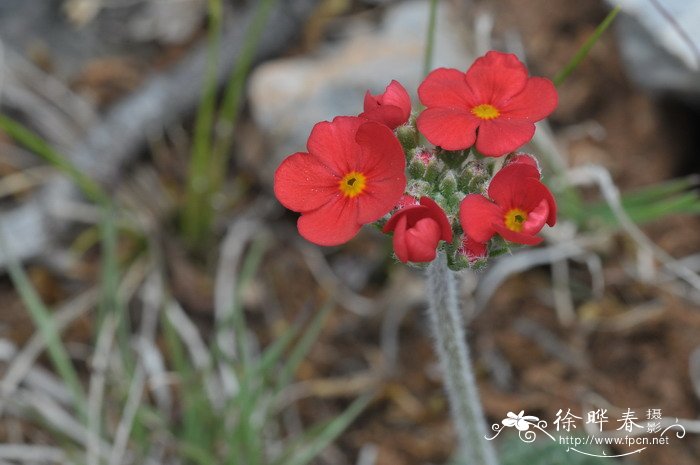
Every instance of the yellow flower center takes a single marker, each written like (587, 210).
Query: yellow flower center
(515, 218)
(352, 184)
(486, 111)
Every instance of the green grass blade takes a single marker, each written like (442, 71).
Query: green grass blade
(274, 352)
(647, 204)
(430, 38)
(44, 322)
(301, 349)
(234, 93)
(36, 144)
(316, 439)
(197, 431)
(586, 47)
(246, 437)
(195, 219)
(249, 268)
(660, 191)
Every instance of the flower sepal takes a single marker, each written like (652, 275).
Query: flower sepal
(416, 169)
(408, 136)
(448, 184)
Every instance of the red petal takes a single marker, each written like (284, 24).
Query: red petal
(536, 218)
(333, 224)
(390, 115)
(334, 143)
(371, 102)
(422, 240)
(392, 108)
(408, 212)
(509, 176)
(303, 183)
(451, 129)
(495, 78)
(395, 94)
(537, 100)
(513, 236)
(500, 136)
(399, 240)
(526, 194)
(446, 87)
(439, 216)
(526, 159)
(383, 162)
(477, 216)
(552, 216)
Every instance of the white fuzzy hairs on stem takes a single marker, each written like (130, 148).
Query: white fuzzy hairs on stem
(447, 328)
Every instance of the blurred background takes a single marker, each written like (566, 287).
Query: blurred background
(158, 306)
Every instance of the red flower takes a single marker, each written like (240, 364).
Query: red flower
(417, 231)
(353, 174)
(494, 104)
(520, 207)
(392, 108)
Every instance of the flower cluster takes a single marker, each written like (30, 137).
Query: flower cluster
(460, 196)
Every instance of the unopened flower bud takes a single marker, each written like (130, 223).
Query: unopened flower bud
(448, 184)
(473, 178)
(472, 252)
(408, 136)
(418, 188)
(416, 169)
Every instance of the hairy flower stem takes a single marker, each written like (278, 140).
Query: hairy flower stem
(447, 327)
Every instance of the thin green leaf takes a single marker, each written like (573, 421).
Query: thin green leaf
(318, 438)
(43, 320)
(36, 144)
(649, 204)
(301, 349)
(197, 414)
(430, 39)
(659, 191)
(197, 207)
(586, 47)
(234, 93)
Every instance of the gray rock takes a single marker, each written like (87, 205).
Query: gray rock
(659, 41)
(289, 96)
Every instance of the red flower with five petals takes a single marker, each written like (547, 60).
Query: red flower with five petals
(494, 105)
(417, 231)
(392, 108)
(353, 174)
(520, 206)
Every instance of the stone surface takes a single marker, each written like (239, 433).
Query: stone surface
(288, 96)
(659, 41)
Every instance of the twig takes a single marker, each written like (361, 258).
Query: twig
(129, 413)
(598, 175)
(326, 277)
(561, 290)
(199, 354)
(57, 417)
(368, 455)
(524, 260)
(100, 360)
(22, 364)
(27, 453)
